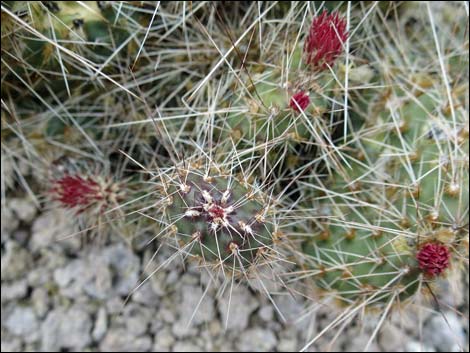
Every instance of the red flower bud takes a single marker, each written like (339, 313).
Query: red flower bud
(302, 99)
(433, 258)
(325, 40)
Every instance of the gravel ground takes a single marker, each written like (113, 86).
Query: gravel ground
(63, 296)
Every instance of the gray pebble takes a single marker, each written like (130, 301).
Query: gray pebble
(24, 209)
(163, 340)
(14, 290)
(256, 340)
(16, 262)
(183, 346)
(197, 306)
(445, 334)
(69, 329)
(242, 303)
(101, 324)
(22, 321)
(120, 340)
(40, 300)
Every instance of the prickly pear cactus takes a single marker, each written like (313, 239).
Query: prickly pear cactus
(70, 24)
(397, 217)
(285, 101)
(53, 43)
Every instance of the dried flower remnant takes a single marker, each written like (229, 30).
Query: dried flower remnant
(325, 40)
(433, 258)
(300, 99)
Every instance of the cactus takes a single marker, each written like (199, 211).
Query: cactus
(63, 41)
(92, 196)
(70, 24)
(402, 203)
(218, 219)
(393, 218)
(346, 129)
(285, 100)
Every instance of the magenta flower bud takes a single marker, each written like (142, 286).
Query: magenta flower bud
(325, 40)
(433, 258)
(302, 99)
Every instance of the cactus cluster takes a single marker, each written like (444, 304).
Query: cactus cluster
(321, 140)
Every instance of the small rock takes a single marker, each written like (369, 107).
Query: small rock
(415, 346)
(15, 263)
(190, 278)
(290, 309)
(65, 276)
(163, 340)
(14, 290)
(125, 266)
(454, 290)
(40, 300)
(24, 209)
(158, 283)
(447, 334)
(156, 325)
(69, 329)
(39, 276)
(11, 345)
(181, 329)
(22, 321)
(266, 313)
(267, 278)
(114, 305)
(357, 342)
(256, 340)
(242, 304)
(101, 324)
(137, 319)
(186, 347)
(196, 305)
(53, 227)
(101, 285)
(9, 222)
(119, 340)
(166, 315)
(391, 339)
(72, 278)
(172, 277)
(287, 345)
(215, 327)
(146, 295)
(21, 236)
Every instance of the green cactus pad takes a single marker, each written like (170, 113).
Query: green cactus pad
(408, 184)
(360, 264)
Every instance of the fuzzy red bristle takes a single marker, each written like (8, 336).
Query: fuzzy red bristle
(76, 191)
